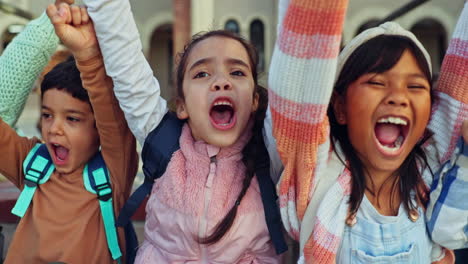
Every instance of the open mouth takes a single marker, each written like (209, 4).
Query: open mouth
(60, 153)
(223, 114)
(391, 133)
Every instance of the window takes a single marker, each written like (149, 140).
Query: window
(10, 33)
(161, 58)
(432, 35)
(232, 25)
(369, 24)
(257, 37)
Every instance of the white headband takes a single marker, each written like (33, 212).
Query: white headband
(388, 28)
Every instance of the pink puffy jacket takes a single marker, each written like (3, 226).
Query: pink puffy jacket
(195, 194)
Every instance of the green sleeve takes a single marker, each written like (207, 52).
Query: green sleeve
(21, 63)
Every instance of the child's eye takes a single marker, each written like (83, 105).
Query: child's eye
(416, 86)
(46, 115)
(238, 73)
(375, 83)
(201, 75)
(73, 119)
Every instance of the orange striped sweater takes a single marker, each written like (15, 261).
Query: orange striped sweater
(301, 80)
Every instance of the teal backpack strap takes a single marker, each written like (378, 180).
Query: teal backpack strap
(96, 180)
(37, 167)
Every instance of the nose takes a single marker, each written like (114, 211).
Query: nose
(398, 96)
(56, 127)
(221, 83)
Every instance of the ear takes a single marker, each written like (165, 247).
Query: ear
(339, 106)
(255, 102)
(181, 109)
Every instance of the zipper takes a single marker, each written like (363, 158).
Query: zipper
(203, 221)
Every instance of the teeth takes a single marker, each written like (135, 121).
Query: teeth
(393, 120)
(223, 103)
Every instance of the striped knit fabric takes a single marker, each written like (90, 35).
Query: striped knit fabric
(452, 109)
(307, 48)
(301, 80)
(452, 92)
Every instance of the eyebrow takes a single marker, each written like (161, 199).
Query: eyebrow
(200, 62)
(237, 62)
(231, 61)
(409, 75)
(417, 75)
(68, 111)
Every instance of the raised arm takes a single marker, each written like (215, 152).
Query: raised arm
(20, 64)
(447, 212)
(451, 107)
(135, 86)
(118, 145)
(301, 79)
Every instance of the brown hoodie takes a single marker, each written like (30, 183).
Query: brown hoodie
(63, 222)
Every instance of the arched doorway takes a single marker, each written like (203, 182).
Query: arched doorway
(232, 25)
(161, 60)
(8, 35)
(434, 38)
(369, 24)
(257, 37)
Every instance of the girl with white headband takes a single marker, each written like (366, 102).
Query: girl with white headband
(364, 143)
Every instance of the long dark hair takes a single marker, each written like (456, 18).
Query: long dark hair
(250, 150)
(378, 55)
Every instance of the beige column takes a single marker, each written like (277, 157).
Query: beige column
(202, 15)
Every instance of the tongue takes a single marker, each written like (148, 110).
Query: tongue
(221, 117)
(61, 152)
(387, 133)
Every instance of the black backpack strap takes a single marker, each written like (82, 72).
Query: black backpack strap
(269, 197)
(2, 242)
(132, 204)
(131, 243)
(157, 151)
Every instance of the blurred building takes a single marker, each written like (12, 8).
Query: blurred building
(433, 22)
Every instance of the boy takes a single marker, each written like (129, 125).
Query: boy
(63, 222)
(21, 62)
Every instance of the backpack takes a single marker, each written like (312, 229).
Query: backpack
(157, 151)
(38, 167)
(2, 242)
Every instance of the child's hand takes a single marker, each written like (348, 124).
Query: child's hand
(75, 29)
(465, 131)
